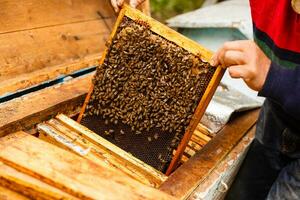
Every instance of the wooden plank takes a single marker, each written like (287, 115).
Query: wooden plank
(47, 48)
(37, 37)
(28, 186)
(24, 112)
(186, 178)
(217, 183)
(68, 172)
(194, 145)
(202, 136)
(40, 40)
(205, 131)
(111, 148)
(68, 140)
(6, 194)
(36, 77)
(198, 140)
(29, 14)
(54, 131)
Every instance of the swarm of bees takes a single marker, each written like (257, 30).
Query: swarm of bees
(148, 82)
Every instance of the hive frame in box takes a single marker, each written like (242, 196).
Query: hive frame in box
(186, 44)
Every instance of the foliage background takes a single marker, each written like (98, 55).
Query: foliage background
(164, 9)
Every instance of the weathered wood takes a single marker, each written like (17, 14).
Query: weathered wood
(30, 50)
(202, 136)
(33, 56)
(187, 177)
(205, 131)
(55, 132)
(6, 194)
(26, 80)
(69, 172)
(217, 183)
(41, 40)
(32, 14)
(25, 112)
(28, 186)
(155, 177)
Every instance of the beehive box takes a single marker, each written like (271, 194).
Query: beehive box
(43, 45)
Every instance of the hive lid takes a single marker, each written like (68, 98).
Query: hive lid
(44, 40)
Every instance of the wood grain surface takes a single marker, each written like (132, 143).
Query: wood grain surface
(69, 172)
(25, 112)
(187, 177)
(37, 37)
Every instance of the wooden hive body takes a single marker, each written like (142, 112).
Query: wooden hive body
(49, 41)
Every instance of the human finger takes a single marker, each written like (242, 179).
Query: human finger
(114, 4)
(238, 71)
(135, 3)
(120, 3)
(238, 45)
(214, 61)
(232, 57)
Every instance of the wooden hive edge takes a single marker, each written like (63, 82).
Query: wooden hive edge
(56, 132)
(115, 150)
(28, 186)
(70, 173)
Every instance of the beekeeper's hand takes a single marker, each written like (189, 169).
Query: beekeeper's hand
(244, 59)
(117, 4)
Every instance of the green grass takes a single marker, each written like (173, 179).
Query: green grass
(164, 9)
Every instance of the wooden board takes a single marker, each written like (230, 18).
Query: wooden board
(6, 194)
(28, 58)
(216, 184)
(68, 172)
(33, 14)
(188, 45)
(40, 40)
(187, 177)
(38, 106)
(24, 112)
(29, 186)
(30, 50)
(70, 135)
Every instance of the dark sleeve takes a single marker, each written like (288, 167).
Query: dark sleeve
(283, 86)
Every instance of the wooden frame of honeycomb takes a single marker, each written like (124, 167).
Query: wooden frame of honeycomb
(185, 43)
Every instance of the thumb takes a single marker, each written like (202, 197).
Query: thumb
(120, 3)
(115, 5)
